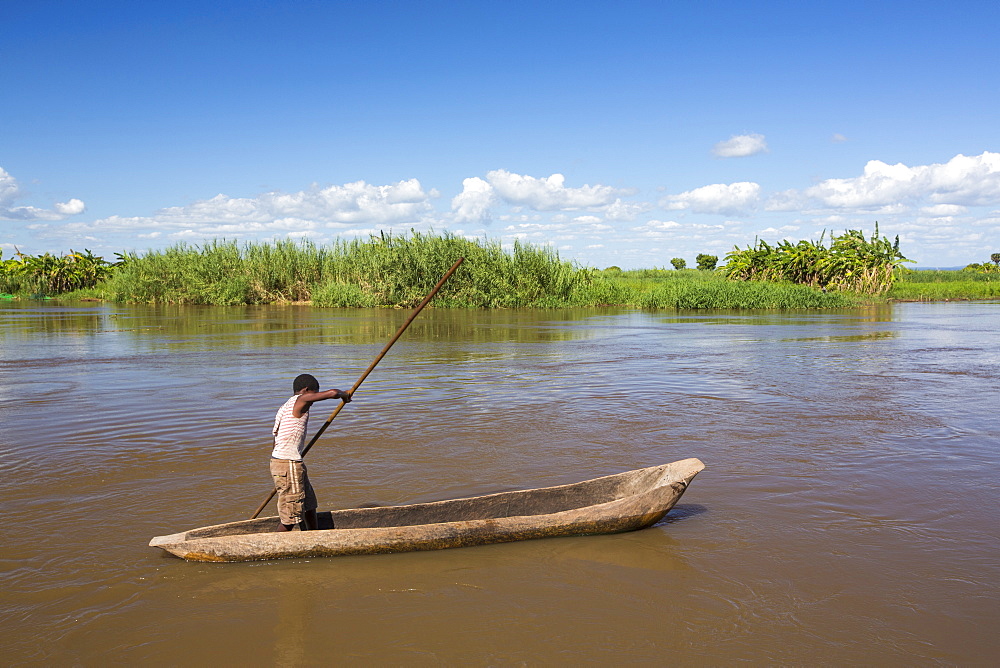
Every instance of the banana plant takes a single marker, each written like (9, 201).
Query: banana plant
(851, 262)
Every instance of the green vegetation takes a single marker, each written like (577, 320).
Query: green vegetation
(991, 267)
(690, 289)
(384, 270)
(397, 271)
(707, 262)
(46, 275)
(221, 273)
(678, 263)
(937, 285)
(852, 262)
(945, 276)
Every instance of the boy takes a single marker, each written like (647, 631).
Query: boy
(296, 498)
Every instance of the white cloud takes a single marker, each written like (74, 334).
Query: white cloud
(740, 146)
(943, 210)
(993, 219)
(838, 138)
(657, 229)
(472, 205)
(357, 203)
(71, 208)
(786, 200)
(479, 198)
(924, 204)
(352, 203)
(785, 229)
(10, 192)
(550, 194)
(626, 211)
(659, 225)
(564, 228)
(536, 227)
(9, 189)
(963, 181)
(727, 199)
(528, 218)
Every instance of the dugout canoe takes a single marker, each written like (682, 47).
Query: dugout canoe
(611, 504)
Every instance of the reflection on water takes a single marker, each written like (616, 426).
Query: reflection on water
(868, 336)
(845, 515)
(286, 325)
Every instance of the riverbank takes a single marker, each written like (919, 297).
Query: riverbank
(388, 271)
(650, 288)
(685, 289)
(942, 285)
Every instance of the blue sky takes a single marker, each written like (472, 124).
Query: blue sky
(623, 133)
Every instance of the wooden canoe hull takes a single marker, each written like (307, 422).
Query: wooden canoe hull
(612, 504)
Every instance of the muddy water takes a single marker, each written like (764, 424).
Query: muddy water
(847, 514)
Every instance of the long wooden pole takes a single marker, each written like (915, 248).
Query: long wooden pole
(371, 366)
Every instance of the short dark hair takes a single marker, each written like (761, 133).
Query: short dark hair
(305, 382)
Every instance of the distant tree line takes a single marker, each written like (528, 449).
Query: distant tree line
(704, 261)
(993, 266)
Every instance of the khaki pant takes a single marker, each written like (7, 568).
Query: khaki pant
(295, 494)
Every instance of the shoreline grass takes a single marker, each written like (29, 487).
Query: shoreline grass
(945, 285)
(381, 271)
(386, 271)
(697, 289)
(397, 271)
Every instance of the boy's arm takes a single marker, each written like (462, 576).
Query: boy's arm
(306, 399)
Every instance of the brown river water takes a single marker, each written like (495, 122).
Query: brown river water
(846, 514)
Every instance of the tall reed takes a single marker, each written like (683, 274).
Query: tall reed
(383, 270)
(398, 270)
(389, 270)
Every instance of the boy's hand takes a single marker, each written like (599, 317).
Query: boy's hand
(344, 396)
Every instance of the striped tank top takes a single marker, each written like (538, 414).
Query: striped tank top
(289, 432)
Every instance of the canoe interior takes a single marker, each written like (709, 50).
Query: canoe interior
(525, 503)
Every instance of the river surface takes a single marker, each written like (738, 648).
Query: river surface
(846, 515)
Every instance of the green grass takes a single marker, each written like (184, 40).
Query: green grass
(940, 285)
(398, 271)
(693, 289)
(955, 290)
(947, 276)
(221, 273)
(381, 271)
